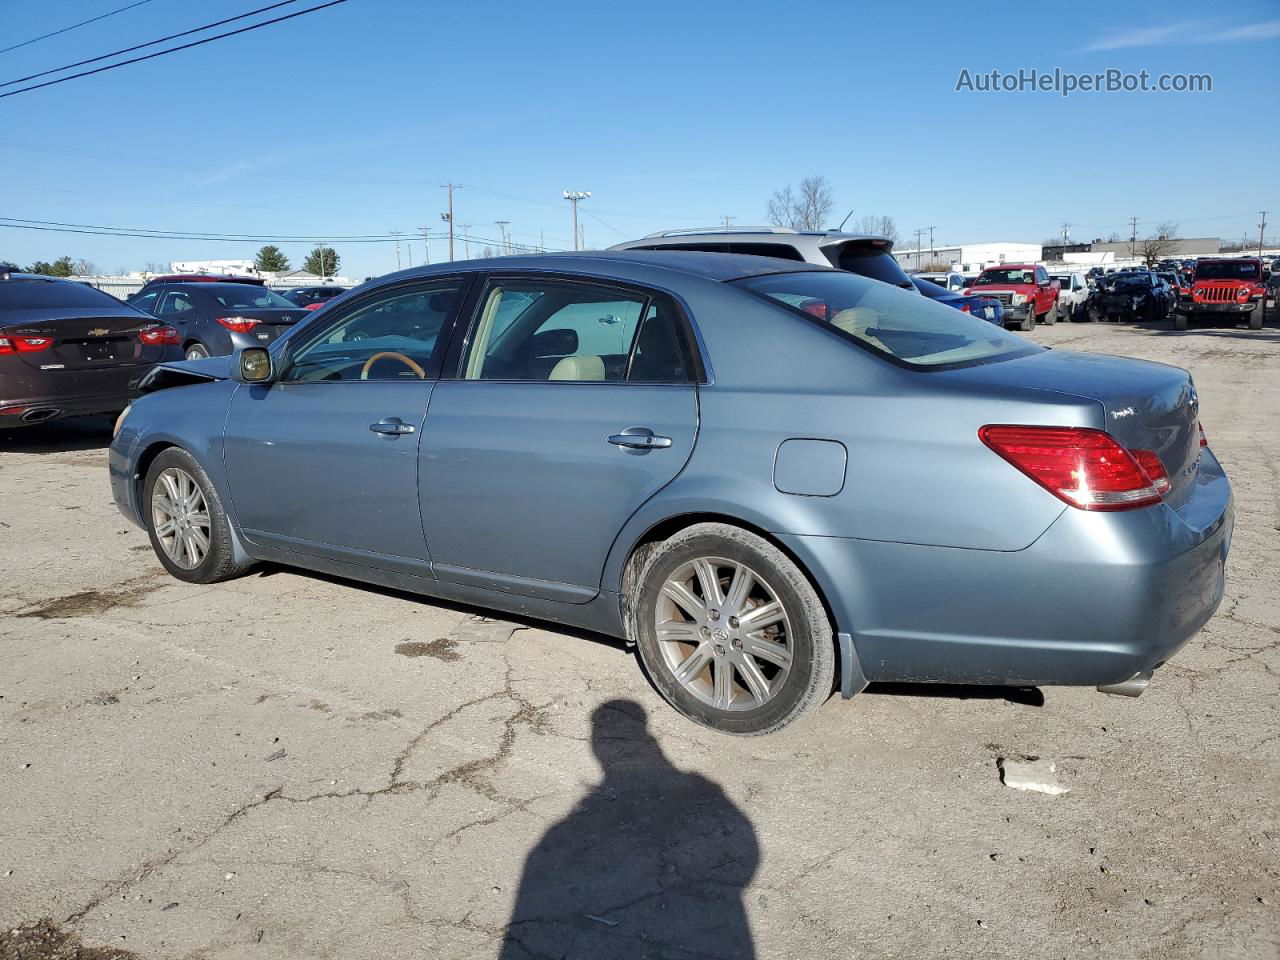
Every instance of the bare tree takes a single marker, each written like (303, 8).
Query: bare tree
(807, 209)
(1160, 244)
(879, 225)
(84, 268)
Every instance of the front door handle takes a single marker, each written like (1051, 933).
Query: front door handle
(639, 438)
(392, 427)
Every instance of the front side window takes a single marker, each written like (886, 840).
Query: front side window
(392, 336)
(906, 329)
(555, 330)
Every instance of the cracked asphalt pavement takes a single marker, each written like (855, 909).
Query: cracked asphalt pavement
(288, 765)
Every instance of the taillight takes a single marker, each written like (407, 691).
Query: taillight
(313, 306)
(238, 324)
(14, 343)
(159, 336)
(1153, 467)
(1083, 467)
(964, 308)
(1204, 441)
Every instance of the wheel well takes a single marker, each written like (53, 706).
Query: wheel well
(666, 529)
(145, 460)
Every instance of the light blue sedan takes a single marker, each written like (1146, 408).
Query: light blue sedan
(776, 480)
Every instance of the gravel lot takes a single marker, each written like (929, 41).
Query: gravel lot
(289, 765)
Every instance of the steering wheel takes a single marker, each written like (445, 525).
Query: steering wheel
(391, 354)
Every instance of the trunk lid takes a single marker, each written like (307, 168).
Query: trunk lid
(87, 342)
(1147, 406)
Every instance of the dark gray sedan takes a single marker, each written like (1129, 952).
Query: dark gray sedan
(774, 479)
(214, 319)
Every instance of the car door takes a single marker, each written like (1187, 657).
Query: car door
(571, 404)
(324, 460)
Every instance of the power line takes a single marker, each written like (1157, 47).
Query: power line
(82, 23)
(184, 46)
(211, 233)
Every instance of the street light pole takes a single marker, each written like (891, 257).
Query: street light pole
(574, 196)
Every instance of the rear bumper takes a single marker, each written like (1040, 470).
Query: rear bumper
(1098, 598)
(29, 412)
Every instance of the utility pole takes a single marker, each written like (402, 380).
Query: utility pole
(448, 217)
(931, 229)
(466, 239)
(919, 241)
(1066, 234)
(397, 236)
(728, 219)
(502, 225)
(1262, 229)
(426, 245)
(1133, 234)
(574, 196)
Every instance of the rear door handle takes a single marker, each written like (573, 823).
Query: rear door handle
(392, 427)
(639, 438)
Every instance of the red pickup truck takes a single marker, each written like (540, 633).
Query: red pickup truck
(1024, 289)
(1231, 290)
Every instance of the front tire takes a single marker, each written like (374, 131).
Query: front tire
(186, 522)
(731, 631)
(1180, 321)
(1028, 322)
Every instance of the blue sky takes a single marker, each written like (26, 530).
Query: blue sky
(345, 122)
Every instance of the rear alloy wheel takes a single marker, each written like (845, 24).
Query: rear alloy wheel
(730, 630)
(189, 529)
(197, 351)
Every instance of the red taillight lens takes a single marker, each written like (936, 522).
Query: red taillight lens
(816, 308)
(1081, 466)
(238, 324)
(13, 343)
(1204, 441)
(159, 336)
(1153, 467)
(313, 306)
(964, 308)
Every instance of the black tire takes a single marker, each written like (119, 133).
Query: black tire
(811, 677)
(196, 351)
(1256, 318)
(1180, 320)
(219, 562)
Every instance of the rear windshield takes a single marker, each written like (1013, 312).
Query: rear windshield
(1133, 281)
(1227, 270)
(867, 260)
(18, 294)
(1004, 276)
(250, 298)
(902, 326)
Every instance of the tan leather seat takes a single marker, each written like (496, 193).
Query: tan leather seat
(578, 368)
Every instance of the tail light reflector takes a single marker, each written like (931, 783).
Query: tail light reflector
(1083, 467)
(159, 336)
(238, 324)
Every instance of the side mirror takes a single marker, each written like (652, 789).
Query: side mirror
(554, 343)
(252, 365)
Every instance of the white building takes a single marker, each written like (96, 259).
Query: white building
(968, 257)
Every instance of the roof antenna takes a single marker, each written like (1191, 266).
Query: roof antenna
(844, 221)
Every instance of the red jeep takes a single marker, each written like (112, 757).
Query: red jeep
(1223, 289)
(1025, 290)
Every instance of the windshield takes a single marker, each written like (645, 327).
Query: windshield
(1005, 276)
(904, 327)
(250, 298)
(18, 294)
(1227, 270)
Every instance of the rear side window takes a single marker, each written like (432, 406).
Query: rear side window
(780, 251)
(37, 294)
(552, 330)
(903, 327)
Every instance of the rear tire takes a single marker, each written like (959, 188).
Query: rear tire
(690, 615)
(186, 522)
(197, 351)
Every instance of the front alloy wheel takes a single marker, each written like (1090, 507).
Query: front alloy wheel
(180, 518)
(189, 529)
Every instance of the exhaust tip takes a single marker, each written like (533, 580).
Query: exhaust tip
(1133, 687)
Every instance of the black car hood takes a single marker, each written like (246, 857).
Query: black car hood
(180, 373)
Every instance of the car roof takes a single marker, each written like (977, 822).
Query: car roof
(614, 263)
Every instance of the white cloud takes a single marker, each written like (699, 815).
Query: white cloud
(1182, 32)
